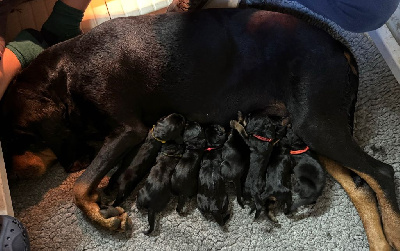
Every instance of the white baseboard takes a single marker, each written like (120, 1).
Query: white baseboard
(388, 47)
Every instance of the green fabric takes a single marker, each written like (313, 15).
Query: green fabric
(62, 24)
(27, 46)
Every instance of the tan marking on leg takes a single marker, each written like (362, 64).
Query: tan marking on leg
(87, 203)
(390, 219)
(32, 165)
(348, 57)
(364, 201)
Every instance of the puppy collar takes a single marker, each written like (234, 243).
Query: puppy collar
(152, 134)
(296, 152)
(262, 138)
(212, 148)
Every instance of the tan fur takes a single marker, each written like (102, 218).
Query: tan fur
(89, 206)
(364, 201)
(348, 57)
(32, 165)
(390, 219)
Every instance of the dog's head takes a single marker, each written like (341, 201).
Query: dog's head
(194, 136)
(33, 139)
(170, 128)
(215, 135)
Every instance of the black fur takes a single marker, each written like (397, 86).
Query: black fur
(236, 159)
(184, 180)
(256, 124)
(166, 129)
(309, 174)
(212, 197)
(278, 179)
(110, 85)
(156, 193)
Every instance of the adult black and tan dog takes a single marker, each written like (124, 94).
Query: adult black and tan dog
(115, 81)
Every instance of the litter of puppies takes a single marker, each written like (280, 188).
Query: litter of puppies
(259, 154)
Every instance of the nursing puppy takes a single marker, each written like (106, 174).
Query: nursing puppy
(259, 134)
(236, 158)
(126, 178)
(212, 197)
(278, 179)
(309, 174)
(184, 180)
(156, 193)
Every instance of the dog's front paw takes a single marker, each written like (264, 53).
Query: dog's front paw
(112, 218)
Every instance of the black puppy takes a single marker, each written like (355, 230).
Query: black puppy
(184, 180)
(278, 179)
(236, 158)
(212, 197)
(309, 174)
(126, 178)
(156, 193)
(259, 134)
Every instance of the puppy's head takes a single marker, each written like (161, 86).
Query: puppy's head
(215, 135)
(170, 128)
(294, 141)
(194, 135)
(260, 124)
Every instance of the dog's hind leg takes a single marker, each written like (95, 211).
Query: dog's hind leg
(364, 201)
(380, 177)
(110, 154)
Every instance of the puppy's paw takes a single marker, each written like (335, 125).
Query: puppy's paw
(233, 123)
(271, 217)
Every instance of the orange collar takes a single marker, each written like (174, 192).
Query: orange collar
(296, 152)
(262, 138)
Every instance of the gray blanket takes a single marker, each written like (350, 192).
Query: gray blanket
(46, 205)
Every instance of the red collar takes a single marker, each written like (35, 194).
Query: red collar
(262, 138)
(210, 149)
(296, 152)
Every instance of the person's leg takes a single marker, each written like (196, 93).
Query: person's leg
(64, 21)
(62, 24)
(354, 15)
